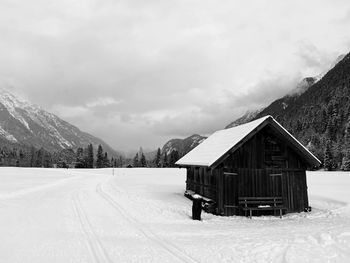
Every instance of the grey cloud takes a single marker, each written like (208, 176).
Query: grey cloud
(213, 116)
(311, 56)
(174, 67)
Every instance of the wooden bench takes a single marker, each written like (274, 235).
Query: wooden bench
(261, 204)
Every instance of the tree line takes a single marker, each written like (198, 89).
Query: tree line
(160, 159)
(23, 156)
(82, 157)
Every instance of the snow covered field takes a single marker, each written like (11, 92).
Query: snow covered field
(140, 215)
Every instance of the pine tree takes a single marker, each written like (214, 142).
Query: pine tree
(106, 162)
(120, 162)
(165, 160)
(90, 157)
(80, 161)
(157, 158)
(331, 130)
(337, 151)
(136, 160)
(20, 158)
(140, 156)
(47, 159)
(323, 120)
(174, 156)
(328, 157)
(32, 156)
(143, 160)
(39, 158)
(99, 157)
(346, 148)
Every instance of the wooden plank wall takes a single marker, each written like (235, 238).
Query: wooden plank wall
(259, 182)
(219, 198)
(202, 181)
(288, 183)
(225, 189)
(231, 193)
(294, 183)
(254, 153)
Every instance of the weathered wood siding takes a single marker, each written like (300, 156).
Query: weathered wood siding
(265, 150)
(266, 165)
(202, 180)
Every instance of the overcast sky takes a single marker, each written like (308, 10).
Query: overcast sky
(137, 73)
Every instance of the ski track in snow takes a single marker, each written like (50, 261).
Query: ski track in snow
(23, 192)
(96, 248)
(150, 235)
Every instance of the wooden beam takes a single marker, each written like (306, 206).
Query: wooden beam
(225, 173)
(275, 174)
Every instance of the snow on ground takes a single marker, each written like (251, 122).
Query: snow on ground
(140, 215)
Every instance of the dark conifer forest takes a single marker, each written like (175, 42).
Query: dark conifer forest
(29, 156)
(319, 118)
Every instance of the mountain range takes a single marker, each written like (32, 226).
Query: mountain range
(278, 105)
(318, 114)
(23, 123)
(182, 146)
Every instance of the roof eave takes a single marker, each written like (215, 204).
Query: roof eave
(189, 165)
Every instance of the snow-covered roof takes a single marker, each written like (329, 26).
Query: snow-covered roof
(221, 142)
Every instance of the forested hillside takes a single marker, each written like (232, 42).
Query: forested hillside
(320, 116)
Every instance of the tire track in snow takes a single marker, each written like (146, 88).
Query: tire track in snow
(96, 249)
(150, 235)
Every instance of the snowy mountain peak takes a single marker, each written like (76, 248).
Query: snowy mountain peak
(307, 82)
(183, 146)
(303, 85)
(12, 104)
(26, 123)
(15, 101)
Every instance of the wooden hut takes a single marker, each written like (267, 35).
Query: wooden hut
(257, 159)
